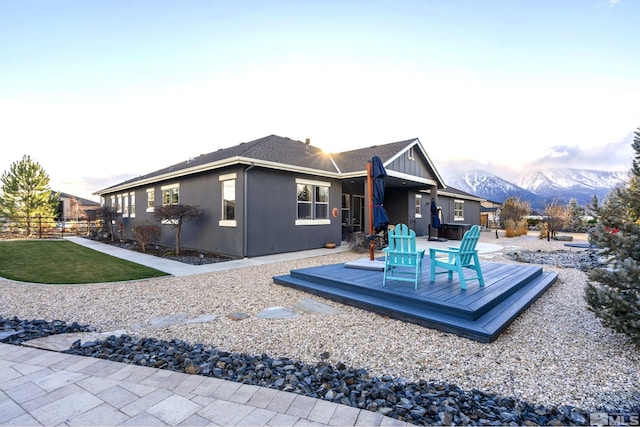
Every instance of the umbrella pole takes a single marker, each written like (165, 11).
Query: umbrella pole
(370, 189)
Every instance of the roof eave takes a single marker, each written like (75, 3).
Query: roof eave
(231, 161)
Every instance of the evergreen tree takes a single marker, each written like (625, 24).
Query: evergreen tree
(613, 293)
(26, 195)
(575, 216)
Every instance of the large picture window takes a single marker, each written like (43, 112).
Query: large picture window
(228, 189)
(312, 202)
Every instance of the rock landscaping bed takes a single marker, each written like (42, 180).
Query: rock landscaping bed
(583, 260)
(186, 256)
(422, 403)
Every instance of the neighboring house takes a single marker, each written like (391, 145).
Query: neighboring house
(76, 208)
(276, 195)
(460, 211)
(460, 207)
(490, 213)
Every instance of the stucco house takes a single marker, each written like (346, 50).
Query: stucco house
(276, 195)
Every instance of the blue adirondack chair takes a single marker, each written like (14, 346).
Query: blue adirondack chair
(457, 259)
(401, 259)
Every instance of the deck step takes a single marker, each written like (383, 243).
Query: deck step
(501, 279)
(484, 328)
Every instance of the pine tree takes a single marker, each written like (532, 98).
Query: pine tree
(26, 194)
(613, 293)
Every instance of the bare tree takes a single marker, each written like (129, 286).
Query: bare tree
(175, 215)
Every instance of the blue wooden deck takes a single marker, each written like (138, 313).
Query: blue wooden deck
(477, 313)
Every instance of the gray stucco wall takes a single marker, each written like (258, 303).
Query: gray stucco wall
(471, 210)
(272, 212)
(204, 233)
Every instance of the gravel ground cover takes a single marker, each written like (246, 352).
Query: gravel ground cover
(554, 354)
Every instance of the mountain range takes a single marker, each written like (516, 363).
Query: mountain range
(540, 187)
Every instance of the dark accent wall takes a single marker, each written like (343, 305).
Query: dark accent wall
(416, 167)
(272, 212)
(204, 233)
(471, 210)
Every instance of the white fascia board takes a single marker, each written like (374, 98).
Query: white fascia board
(412, 178)
(399, 153)
(460, 196)
(231, 161)
(416, 143)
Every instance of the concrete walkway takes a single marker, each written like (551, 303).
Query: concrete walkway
(41, 387)
(177, 268)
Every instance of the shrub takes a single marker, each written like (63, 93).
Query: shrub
(522, 227)
(510, 228)
(146, 234)
(544, 230)
(515, 210)
(358, 242)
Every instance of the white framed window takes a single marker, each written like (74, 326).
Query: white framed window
(125, 205)
(418, 205)
(151, 199)
(132, 204)
(458, 210)
(312, 200)
(113, 202)
(410, 154)
(170, 194)
(228, 190)
(119, 203)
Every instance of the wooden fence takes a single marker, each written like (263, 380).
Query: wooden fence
(46, 228)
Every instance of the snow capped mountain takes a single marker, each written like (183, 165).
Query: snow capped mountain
(549, 180)
(487, 185)
(540, 187)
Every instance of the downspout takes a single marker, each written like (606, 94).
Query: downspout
(245, 213)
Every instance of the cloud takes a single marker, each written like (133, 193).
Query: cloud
(612, 156)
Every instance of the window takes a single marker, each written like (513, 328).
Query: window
(410, 153)
(346, 208)
(113, 202)
(312, 202)
(170, 194)
(119, 203)
(151, 199)
(418, 205)
(125, 205)
(458, 210)
(228, 189)
(132, 205)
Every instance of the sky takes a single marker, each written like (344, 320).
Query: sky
(102, 91)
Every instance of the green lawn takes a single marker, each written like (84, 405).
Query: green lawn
(62, 262)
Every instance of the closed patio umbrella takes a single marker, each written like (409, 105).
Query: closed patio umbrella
(380, 217)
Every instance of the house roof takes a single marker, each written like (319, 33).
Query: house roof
(352, 161)
(454, 192)
(285, 154)
(80, 200)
